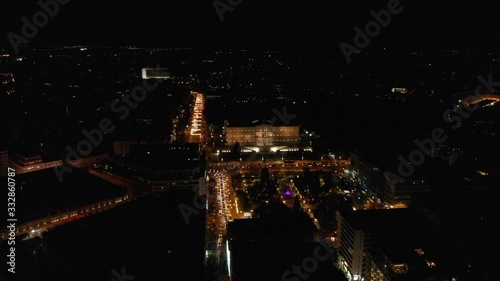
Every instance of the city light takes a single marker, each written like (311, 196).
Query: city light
(218, 146)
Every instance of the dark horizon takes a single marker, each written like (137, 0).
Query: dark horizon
(253, 25)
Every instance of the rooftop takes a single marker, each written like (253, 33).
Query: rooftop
(266, 248)
(40, 193)
(90, 248)
(164, 157)
(272, 262)
(279, 227)
(256, 122)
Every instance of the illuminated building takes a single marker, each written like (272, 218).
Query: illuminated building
(196, 131)
(400, 90)
(371, 175)
(392, 191)
(263, 136)
(26, 164)
(399, 194)
(87, 161)
(66, 216)
(6, 78)
(155, 73)
(362, 231)
(398, 262)
(54, 202)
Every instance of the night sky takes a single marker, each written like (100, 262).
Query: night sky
(290, 25)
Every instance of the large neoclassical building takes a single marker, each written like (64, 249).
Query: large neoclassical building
(263, 136)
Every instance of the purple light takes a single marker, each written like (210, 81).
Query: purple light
(288, 192)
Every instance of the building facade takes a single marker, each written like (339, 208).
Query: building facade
(399, 194)
(398, 231)
(157, 168)
(389, 188)
(371, 175)
(26, 164)
(155, 73)
(354, 241)
(88, 161)
(263, 135)
(66, 216)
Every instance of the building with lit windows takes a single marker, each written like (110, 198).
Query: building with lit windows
(263, 136)
(371, 175)
(399, 194)
(155, 73)
(398, 263)
(362, 231)
(51, 202)
(389, 189)
(158, 168)
(26, 164)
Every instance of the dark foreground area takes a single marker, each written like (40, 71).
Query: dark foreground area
(147, 238)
